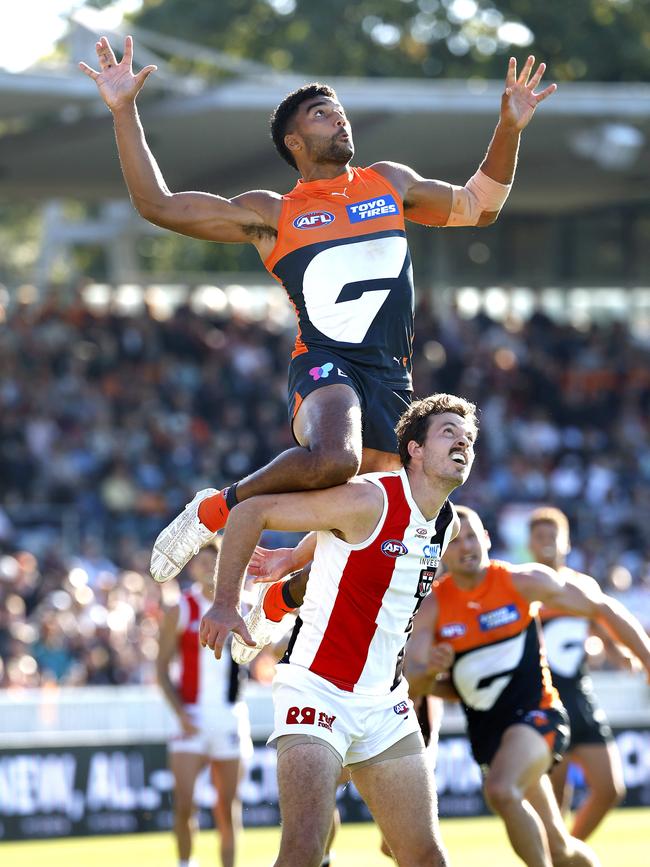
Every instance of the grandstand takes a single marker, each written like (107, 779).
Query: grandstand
(121, 395)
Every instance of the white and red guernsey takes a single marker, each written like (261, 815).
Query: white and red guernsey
(204, 680)
(358, 610)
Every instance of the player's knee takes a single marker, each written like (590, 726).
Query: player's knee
(501, 794)
(183, 811)
(304, 848)
(334, 467)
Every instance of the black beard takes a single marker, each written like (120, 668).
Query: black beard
(334, 151)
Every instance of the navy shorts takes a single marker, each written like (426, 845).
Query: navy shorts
(588, 721)
(552, 723)
(382, 403)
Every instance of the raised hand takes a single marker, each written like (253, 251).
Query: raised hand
(270, 565)
(117, 84)
(519, 100)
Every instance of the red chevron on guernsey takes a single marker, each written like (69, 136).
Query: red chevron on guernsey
(367, 575)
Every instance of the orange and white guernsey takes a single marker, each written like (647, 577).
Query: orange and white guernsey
(343, 259)
(500, 664)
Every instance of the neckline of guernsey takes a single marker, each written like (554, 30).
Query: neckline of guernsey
(326, 185)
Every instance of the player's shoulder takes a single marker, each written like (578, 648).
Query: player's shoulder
(266, 203)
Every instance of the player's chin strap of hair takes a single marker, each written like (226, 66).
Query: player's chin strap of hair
(480, 194)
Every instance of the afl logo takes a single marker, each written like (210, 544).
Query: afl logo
(313, 220)
(393, 548)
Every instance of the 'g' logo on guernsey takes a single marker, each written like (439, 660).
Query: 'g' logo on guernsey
(385, 206)
(323, 372)
(313, 220)
(393, 548)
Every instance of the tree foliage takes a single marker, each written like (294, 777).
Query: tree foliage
(598, 40)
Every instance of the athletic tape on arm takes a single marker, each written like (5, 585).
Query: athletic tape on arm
(479, 194)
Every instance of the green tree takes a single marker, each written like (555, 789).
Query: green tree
(599, 40)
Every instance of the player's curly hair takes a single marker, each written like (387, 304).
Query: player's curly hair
(414, 422)
(282, 117)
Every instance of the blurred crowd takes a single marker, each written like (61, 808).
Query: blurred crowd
(110, 422)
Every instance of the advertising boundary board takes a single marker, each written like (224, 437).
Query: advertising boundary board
(50, 792)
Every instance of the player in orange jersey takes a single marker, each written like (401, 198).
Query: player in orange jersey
(486, 651)
(337, 243)
(592, 745)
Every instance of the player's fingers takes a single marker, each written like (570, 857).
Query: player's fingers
(525, 70)
(244, 634)
(546, 92)
(90, 72)
(142, 76)
(105, 52)
(128, 50)
(537, 76)
(511, 74)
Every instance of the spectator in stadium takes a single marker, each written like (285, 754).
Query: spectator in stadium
(350, 374)
(592, 746)
(213, 723)
(476, 638)
(339, 696)
(69, 386)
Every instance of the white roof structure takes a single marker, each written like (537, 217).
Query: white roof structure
(588, 146)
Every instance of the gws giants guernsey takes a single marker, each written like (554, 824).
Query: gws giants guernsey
(358, 610)
(500, 665)
(204, 681)
(342, 257)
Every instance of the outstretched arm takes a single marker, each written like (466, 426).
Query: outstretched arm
(540, 583)
(435, 203)
(249, 217)
(351, 510)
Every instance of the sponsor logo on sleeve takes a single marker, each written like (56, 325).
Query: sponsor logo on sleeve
(452, 630)
(313, 220)
(498, 617)
(393, 548)
(361, 212)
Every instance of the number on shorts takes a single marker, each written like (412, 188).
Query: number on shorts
(307, 716)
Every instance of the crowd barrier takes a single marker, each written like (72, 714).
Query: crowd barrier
(93, 761)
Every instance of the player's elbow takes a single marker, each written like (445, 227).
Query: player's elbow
(487, 218)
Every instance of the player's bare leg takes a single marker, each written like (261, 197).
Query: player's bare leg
(566, 851)
(306, 809)
(225, 775)
(328, 428)
(185, 767)
(601, 764)
(391, 789)
(520, 761)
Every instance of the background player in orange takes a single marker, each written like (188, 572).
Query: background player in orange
(592, 745)
(337, 243)
(486, 639)
(213, 722)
